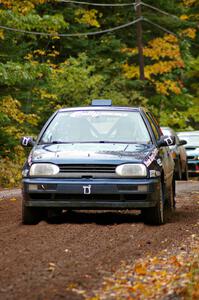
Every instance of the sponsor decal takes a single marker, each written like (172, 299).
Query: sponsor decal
(94, 114)
(147, 161)
(159, 162)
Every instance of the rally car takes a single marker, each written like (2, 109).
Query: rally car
(99, 157)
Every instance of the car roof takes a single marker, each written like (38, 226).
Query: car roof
(107, 108)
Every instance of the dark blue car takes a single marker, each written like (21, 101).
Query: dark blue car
(99, 157)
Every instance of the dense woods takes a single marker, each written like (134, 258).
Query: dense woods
(43, 68)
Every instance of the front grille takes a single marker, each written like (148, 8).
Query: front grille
(100, 198)
(87, 171)
(83, 198)
(87, 168)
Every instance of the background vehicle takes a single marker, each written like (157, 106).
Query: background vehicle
(192, 149)
(99, 157)
(179, 155)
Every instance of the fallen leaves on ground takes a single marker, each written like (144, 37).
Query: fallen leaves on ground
(13, 199)
(173, 274)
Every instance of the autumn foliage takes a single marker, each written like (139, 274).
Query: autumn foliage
(41, 73)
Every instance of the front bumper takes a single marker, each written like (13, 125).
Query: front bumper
(91, 194)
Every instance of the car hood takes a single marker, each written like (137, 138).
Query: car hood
(91, 152)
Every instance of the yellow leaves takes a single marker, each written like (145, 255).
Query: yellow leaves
(167, 86)
(189, 3)
(162, 67)
(131, 71)
(55, 37)
(74, 288)
(39, 53)
(44, 94)
(132, 51)
(189, 32)
(161, 88)
(1, 34)
(29, 56)
(11, 107)
(11, 169)
(140, 269)
(88, 17)
(153, 278)
(184, 17)
(162, 48)
(164, 55)
(13, 199)
(23, 6)
(53, 53)
(166, 47)
(7, 3)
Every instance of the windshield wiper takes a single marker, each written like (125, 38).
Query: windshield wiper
(53, 142)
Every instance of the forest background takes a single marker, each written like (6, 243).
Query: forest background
(40, 73)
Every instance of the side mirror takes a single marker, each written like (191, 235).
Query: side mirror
(27, 141)
(182, 142)
(166, 141)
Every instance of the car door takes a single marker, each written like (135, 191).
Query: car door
(164, 152)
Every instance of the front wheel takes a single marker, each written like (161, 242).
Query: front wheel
(29, 215)
(155, 215)
(170, 202)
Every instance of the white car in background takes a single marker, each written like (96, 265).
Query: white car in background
(179, 155)
(192, 149)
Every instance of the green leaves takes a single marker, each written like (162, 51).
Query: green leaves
(44, 73)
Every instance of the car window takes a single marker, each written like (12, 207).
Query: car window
(96, 126)
(154, 125)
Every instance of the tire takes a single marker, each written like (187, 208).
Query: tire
(185, 174)
(29, 215)
(156, 215)
(170, 202)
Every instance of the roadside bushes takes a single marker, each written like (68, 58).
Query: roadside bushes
(10, 175)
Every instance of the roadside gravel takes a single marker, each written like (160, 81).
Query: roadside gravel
(6, 193)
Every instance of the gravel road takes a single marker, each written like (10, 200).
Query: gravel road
(49, 261)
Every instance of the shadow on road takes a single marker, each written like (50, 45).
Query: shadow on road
(102, 218)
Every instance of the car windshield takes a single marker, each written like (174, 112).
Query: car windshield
(192, 140)
(96, 126)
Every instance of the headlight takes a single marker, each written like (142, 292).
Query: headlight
(131, 170)
(43, 169)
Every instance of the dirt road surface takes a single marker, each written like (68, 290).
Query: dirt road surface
(44, 261)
